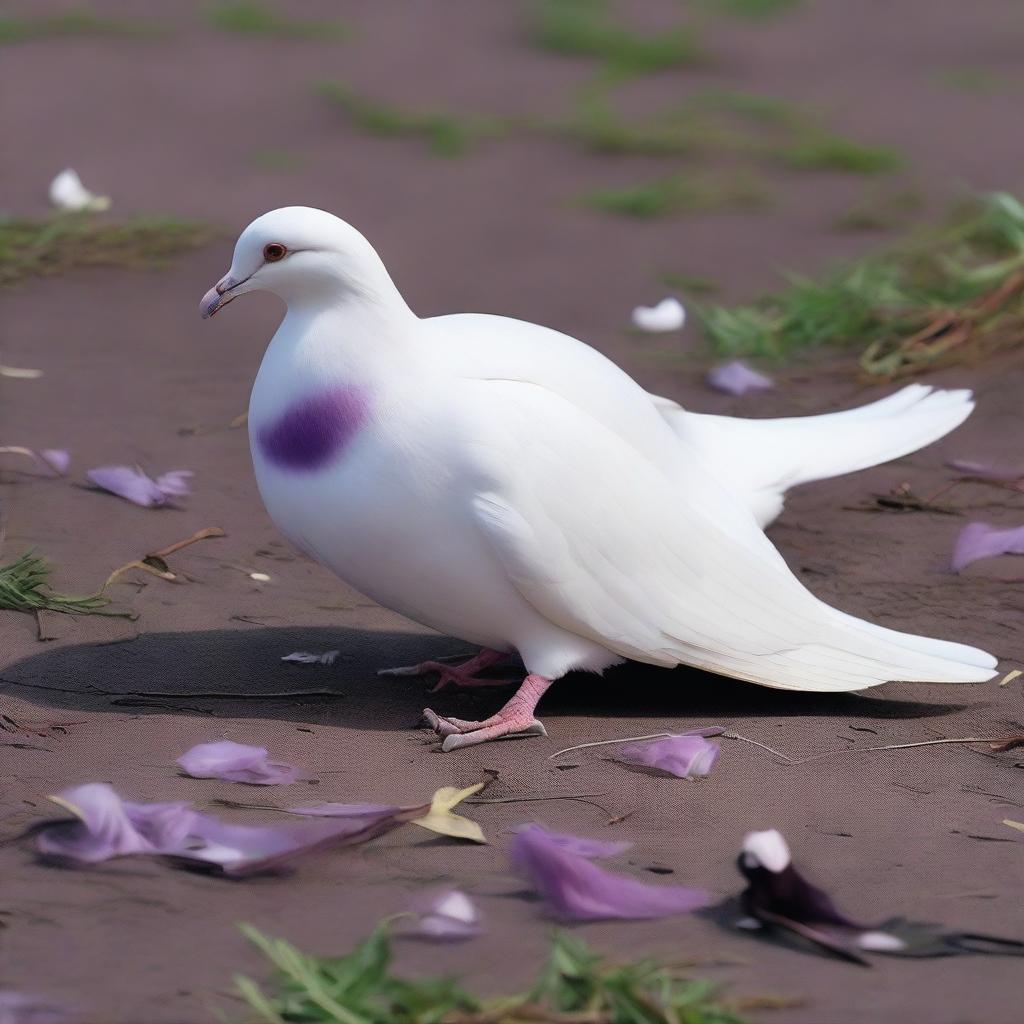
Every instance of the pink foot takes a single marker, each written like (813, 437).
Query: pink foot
(454, 675)
(516, 718)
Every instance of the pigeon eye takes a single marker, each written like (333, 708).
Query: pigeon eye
(274, 251)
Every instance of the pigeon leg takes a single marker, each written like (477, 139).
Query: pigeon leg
(453, 675)
(516, 717)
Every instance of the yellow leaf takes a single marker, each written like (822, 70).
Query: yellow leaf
(441, 820)
(1018, 825)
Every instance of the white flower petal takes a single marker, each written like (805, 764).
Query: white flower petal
(767, 850)
(880, 942)
(68, 193)
(667, 315)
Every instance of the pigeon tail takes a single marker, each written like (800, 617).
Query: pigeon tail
(762, 459)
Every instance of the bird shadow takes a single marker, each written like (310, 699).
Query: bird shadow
(240, 674)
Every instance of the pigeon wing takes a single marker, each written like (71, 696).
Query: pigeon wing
(608, 546)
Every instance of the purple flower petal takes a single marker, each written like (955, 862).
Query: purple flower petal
(126, 482)
(575, 889)
(987, 471)
(57, 459)
(175, 482)
(236, 762)
(980, 540)
(590, 848)
(106, 827)
(686, 756)
(736, 378)
(132, 484)
(239, 850)
(446, 914)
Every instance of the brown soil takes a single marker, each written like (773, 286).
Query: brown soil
(172, 125)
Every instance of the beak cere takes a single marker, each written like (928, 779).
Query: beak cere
(217, 297)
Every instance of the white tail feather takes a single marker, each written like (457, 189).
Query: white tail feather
(764, 458)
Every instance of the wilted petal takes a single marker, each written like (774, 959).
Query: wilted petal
(576, 889)
(987, 470)
(667, 315)
(308, 657)
(980, 540)
(18, 1008)
(736, 378)
(68, 193)
(236, 762)
(239, 850)
(686, 755)
(57, 459)
(127, 482)
(131, 483)
(108, 827)
(589, 848)
(778, 896)
(446, 914)
(174, 483)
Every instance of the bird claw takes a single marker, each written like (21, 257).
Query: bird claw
(442, 726)
(470, 739)
(458, 732)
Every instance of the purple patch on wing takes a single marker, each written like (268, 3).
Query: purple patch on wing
(315, 430)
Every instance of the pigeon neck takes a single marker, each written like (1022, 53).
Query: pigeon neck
(369, 294)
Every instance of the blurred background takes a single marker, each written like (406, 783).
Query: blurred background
(561, 161)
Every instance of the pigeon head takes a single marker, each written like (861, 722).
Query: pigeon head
(302, 255)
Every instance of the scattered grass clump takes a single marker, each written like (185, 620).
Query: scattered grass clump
(678, 194)
(25, 587)
(446, 134)
(30, 248)
(820, 151)
(597, 126)
(577, 986)
(945, 294)
(752, 9)
(249, 17)
(584, 28)
(80, 22)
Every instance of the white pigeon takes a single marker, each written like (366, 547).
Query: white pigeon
(509, 485)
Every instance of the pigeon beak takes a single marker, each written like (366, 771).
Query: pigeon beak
(218, 296)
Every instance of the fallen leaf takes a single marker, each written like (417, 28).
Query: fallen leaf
(440, 818)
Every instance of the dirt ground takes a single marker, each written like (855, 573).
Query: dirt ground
(176, 125)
